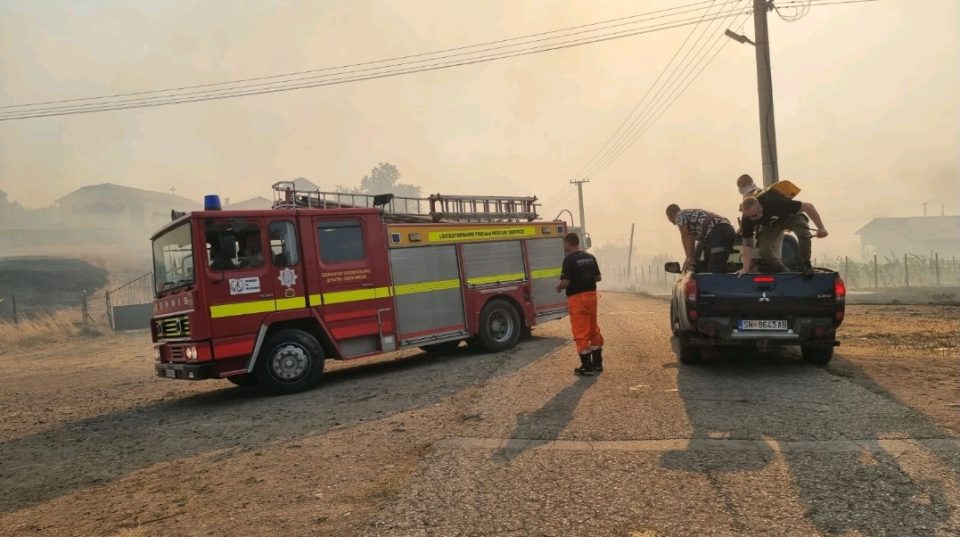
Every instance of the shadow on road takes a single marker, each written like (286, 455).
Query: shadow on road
(777, 399)
(109, 447)
(547, 422)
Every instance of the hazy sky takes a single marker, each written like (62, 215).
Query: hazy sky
(867, 106)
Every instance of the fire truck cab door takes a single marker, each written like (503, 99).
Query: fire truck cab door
(238, 273)
(286, 276)
(353, 279)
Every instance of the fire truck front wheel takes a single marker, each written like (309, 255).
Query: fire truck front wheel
(290, 361)
(499, 326)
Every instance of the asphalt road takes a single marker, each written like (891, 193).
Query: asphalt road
(741, 445)
(508, 444)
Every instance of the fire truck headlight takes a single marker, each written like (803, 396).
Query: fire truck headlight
(191, 353)
(156, 354)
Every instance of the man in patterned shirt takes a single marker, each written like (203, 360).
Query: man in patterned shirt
(713, 231)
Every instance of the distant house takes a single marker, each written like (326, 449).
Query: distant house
(921, 235)
(258, 202)
(115, 206)
(304, 184)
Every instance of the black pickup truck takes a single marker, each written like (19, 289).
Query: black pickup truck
(763, 310)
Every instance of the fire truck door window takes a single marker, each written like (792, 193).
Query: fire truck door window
(283, 244)
(233, 244)
(340, 241)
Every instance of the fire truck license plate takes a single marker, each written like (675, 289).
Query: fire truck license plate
(170, 373)
(763, 325)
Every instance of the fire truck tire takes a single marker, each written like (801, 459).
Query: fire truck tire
(526, 333)
(500, 326)
(290, 361)
(245, 379)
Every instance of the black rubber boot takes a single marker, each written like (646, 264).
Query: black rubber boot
(597, 357)
(586, 368)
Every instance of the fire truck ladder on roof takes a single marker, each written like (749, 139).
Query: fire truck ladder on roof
(435, 208)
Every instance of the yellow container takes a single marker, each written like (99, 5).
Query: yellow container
(786, 188)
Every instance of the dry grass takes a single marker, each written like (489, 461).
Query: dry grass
(46, 327)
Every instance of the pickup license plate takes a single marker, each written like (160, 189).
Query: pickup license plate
(171, 373)
(763, 325)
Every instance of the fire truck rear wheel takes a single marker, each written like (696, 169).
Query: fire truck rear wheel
(499, 326)
(291, 361)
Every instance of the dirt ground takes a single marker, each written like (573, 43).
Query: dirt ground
(92, 444)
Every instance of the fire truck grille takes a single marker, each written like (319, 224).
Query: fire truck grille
(173, 327)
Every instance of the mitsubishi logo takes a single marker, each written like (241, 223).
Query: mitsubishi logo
(764, 298)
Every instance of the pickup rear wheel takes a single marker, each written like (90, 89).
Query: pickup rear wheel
(290, 361)
(816, 354)
(499, 326)
(689, 354)
(674, 320)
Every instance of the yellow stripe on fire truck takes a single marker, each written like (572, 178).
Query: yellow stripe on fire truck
(291, 303)
(496, 278)
(353, 295)
(242, 308)
(359, 295)
(425, 287)
(545, 273)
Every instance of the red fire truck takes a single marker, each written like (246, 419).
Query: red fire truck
(265, 296)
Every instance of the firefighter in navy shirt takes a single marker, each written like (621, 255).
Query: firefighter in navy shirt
(777, 213)
(579, 278)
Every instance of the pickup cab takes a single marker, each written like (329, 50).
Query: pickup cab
(762, 310)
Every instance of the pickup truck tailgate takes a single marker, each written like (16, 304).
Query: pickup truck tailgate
(766, 296)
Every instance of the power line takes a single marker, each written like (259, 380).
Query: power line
(241, 91)
(664, 97)
(377, 72)
(799, 11)
(825, 2)
(674, 75)
(621, 144)
(693, 30)
(687, 79)
(407, 57)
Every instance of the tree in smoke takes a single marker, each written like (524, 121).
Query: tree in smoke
(383, 179)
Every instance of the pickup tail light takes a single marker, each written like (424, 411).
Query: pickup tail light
(840, 294)
(763, 279)
(839, 289)
(690, 292)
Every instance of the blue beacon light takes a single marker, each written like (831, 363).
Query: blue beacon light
(211, 202)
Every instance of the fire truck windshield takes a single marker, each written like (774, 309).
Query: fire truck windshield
(173, 259)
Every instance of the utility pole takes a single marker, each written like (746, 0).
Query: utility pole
(630, 253)
(768, 132)
(924, 208)
(583, 223)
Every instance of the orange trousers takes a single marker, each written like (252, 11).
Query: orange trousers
(583, 320)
